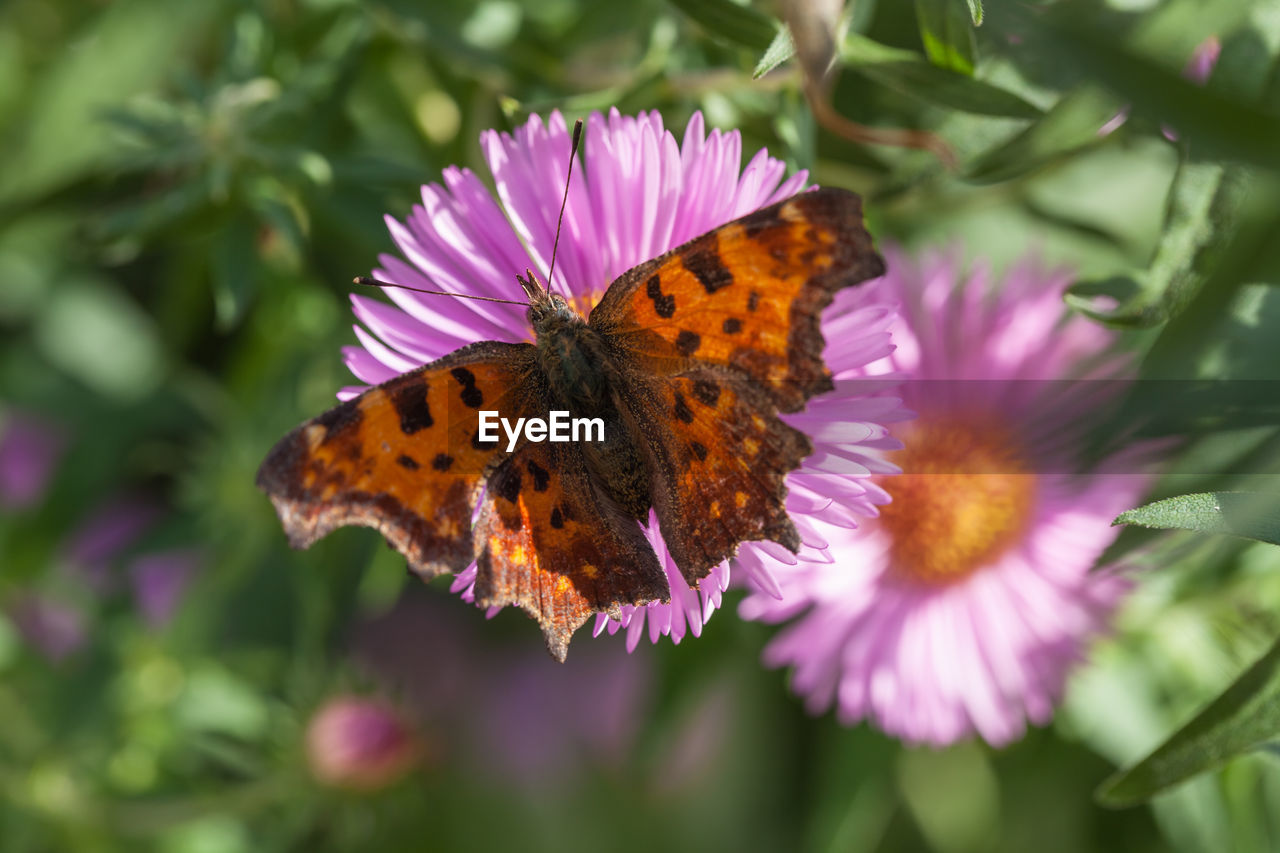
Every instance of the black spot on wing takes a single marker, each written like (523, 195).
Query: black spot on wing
(471, 395)
(557, 518)
(541, 479)
(706, 391)
(442, 462)
(702, 258)
(682, 410)
(410, 403)
(483, 443)
(688, 342)
(508, 484)
(699, 450)
(753, 301)
(664, 306)
(732, 325)
(408, 462)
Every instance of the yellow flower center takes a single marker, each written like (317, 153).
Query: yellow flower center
(584, 302)
(965, 495)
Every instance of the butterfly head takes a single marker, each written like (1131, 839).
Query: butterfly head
(546, 309)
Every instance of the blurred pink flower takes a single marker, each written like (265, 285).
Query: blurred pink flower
(962, 609)
(30, 447)
(638, 193)
(360, 744)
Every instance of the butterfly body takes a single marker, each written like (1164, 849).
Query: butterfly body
(687, 360)
(581, 378)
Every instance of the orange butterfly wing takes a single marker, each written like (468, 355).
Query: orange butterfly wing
(403, 458)
(550, 541)
(714, 339)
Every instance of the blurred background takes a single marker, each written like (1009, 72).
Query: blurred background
(186, 190)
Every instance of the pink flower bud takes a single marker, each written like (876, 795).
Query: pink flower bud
(360, 744)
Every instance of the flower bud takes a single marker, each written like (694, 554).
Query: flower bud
(360, 744)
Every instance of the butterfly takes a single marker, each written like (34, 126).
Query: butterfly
(685, 363)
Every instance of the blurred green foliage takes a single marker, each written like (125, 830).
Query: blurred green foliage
(187, 190)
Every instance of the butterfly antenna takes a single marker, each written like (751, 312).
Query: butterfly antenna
(573, 153)
(371, 282)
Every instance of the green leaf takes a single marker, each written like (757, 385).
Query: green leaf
(1253, 515)
(906, 72)
(1246, 222)
(1201, 202)
(727, 20)
(781, 49)
(1214, 126)
(1070, 125)
(975, 12)
(946, 33)
(234, 265)
(1244, 717)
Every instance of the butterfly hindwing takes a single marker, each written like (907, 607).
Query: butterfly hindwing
(551, 542)
(719, 466)
(404, 457)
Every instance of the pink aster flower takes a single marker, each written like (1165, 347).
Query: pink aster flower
(637, 193)
(963, 607)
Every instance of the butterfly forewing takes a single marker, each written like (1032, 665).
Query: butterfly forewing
(404, 457)
(748, 295)
(712, 340)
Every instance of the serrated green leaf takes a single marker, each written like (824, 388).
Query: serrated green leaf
(1253, 515)
(727, 20)
(947, 34)
(906, 72)
(1245, 717)
(781, 49)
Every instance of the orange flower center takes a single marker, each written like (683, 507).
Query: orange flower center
(964, 497)
(584, 302)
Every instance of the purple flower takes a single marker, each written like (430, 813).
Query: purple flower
(30, 447)
(159, 580)
(962, 608)
(109, 529)
(638, 193)
(360, 744)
